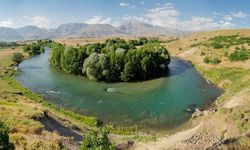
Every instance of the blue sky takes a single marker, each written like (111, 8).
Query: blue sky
(180, 14)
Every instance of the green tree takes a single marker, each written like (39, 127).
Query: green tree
(95, 67)
(17, 58)
(4, 138)
(97, 140)
(72, 60)
(56, 54)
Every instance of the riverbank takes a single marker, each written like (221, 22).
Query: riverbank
(229, 126)
(34, 121)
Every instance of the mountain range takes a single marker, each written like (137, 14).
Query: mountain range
(83, 30)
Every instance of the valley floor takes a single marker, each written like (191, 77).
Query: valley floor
(226, 126)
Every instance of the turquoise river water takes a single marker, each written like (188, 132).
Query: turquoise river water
(156, 103)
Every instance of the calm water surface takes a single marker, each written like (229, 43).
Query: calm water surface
(158, 103)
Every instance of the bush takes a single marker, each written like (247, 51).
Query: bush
(217, 45)
(97, 140)
(19, 140)
(202, 53)
(240, 54)
(44, 145)
(206, 60)
(214, 61)
(4, 138)
(17, 58)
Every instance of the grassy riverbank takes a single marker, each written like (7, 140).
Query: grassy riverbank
(22, 111)
(229, 126)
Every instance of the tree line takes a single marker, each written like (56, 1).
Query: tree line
(37, 47)
(115, 60)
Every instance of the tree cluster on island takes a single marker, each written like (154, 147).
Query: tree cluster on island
(115, 60)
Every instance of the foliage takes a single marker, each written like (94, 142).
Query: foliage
(42, 145)
(115, 60)
(220, 41)
(4, 138)
(19, 140)
(71, 60)
(214, 61)
(240, 54)
(37, 48)
(17, 58)
(97, 140)
(8, 44)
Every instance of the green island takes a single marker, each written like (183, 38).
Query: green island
(114, 60)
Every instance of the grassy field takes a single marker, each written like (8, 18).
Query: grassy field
(234, 77)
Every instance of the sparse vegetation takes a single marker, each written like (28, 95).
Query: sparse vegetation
(214, 61)
(219, 42)
(240, 54)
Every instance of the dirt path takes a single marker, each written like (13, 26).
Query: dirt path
(167, 142)
(238, 99)
(71, 138)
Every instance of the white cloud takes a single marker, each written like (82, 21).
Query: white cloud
(165, 16)
(142, 2)
(201, 23)
(101, 20)
(231, 16)
(228, 17)
(7, 23)
(168, 16)
(134, 19)
(127, 5)
(124, 4)
(239, 15)
(38, 21)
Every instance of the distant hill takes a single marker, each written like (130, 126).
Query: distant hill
(142, 29)
(83, 30)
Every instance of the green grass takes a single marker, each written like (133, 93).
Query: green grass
(239, 80)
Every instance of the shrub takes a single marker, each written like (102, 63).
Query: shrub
(217, 45)
(215, 61)
(19, 140)
(206, 60)
(4, 138)
(97, 140)
(240, 54)
(17, 58)
(44, 145)
(203, 53)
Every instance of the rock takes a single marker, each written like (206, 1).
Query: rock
(205, 112)
(16, 68)
(111, 90)
(197, 113)
(189, 110)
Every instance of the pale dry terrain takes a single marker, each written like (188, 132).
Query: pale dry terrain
(228, 127)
